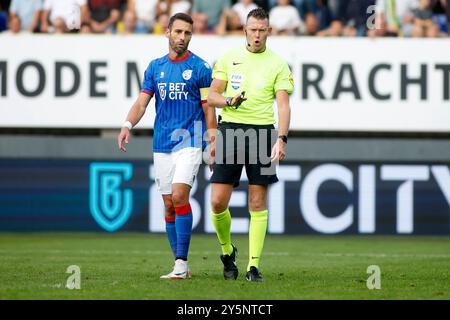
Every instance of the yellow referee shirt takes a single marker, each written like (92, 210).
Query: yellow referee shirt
(260, 75)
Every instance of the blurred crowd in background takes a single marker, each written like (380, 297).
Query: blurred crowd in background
(349, 18)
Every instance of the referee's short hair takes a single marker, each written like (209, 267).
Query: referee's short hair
(180, 16)
(258, 14)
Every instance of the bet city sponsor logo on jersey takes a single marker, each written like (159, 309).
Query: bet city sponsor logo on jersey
(173, 90)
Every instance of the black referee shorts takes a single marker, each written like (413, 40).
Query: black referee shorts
(240, 145)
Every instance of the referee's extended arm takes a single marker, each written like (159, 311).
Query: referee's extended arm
(217, 100)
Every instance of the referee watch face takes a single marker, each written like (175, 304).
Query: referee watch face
(256, 32)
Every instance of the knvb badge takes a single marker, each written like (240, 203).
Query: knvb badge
(110, 205)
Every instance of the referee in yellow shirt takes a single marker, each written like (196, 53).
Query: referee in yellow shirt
(246, 80)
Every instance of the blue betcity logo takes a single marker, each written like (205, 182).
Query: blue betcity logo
(110, 205)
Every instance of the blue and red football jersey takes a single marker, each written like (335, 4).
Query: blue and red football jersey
(179, 88)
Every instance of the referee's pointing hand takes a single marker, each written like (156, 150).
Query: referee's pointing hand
(237, 100)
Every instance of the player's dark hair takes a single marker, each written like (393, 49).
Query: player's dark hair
(258, 14)
(180, 16)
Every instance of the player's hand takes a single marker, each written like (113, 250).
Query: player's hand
(237, 100)
(278, 151)
(123, 138)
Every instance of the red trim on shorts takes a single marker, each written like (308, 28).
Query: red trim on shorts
(204, 101)
(182, 59)
(147, 92)
(170, 219)
(180, 211)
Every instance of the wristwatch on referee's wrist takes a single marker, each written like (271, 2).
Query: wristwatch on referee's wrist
(284, 138)
(228, 101)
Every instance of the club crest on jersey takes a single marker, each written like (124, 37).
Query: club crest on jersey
(187, 74)
(236, 81)
(162, 90)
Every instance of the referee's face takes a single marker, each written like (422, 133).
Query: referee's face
(179, 35)
(257, 32)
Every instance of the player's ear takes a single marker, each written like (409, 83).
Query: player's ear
(270, 30)
(167, 32)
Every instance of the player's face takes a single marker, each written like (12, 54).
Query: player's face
(257, 32)
(180, 35)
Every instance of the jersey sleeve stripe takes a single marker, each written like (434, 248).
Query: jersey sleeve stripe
(147, 92)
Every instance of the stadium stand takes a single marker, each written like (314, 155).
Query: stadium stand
(317, 17)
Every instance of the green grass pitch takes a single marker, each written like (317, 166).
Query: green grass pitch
(128, 266)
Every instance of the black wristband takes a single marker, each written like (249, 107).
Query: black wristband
(284, 138)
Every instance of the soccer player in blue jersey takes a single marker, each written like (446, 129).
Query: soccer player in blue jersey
(179, 81)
